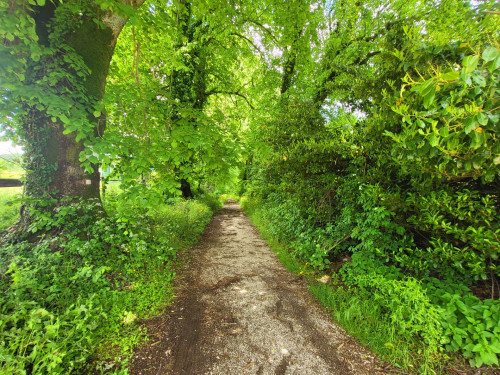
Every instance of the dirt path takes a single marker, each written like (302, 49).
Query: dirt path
(240, 312)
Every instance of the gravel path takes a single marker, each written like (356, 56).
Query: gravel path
(239, 311)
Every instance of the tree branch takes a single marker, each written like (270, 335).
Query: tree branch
(324, 91)
(247, 40)
(358, 61)
(11, 162)
(214, 92)
(265, 29)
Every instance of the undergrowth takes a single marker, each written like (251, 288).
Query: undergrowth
(70, 300)
(407, 322)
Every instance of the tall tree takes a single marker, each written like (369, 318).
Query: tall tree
(170, 67)
(56, 64)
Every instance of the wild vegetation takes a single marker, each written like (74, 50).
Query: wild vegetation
(362, 135)
(71, 300)
(391, 180)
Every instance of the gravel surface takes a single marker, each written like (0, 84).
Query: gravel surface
(239, 311)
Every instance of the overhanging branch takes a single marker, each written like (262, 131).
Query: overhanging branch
(325, 90)
(248, 41)
(215, 92)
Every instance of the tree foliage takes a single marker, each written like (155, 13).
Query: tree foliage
(367, 130)
(387, 160)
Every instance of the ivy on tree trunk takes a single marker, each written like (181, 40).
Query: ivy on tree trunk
(51, 138)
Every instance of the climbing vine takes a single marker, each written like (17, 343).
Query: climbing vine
(364, 133)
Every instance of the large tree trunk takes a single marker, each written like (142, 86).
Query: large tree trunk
(51, 157)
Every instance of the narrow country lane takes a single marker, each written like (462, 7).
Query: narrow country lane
(239, 311)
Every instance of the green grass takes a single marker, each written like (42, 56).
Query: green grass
(351, 308)
(360, 317)
(10, 166)
(10, 201)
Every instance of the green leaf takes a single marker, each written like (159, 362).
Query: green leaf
(477, 162)
(462, 307)
(470, 125)
(477, 140)
(80, 136)
(479, 79)
(433, 140)
(429, 97)
(495, 346)
(88, 168)
(64, 119)
(490, 53)
(93, 159)
(427, 86)
(493, 65)
(477, 348)
(482, 118)
(470, 63)
(466, 77)
(444, 131)
(451, 76)
(489, 358)
(476, 362)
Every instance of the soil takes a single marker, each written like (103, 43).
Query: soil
(238, 311)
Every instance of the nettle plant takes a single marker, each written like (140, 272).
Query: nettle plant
(470, 326)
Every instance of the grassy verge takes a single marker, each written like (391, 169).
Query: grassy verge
(10, 166)
(70, 302)
(10, 200)
(353, 309)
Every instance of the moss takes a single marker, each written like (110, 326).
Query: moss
(95, 44)
(73, 152)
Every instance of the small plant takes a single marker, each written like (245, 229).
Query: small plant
(470, 325)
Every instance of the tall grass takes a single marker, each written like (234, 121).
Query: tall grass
(357, 313)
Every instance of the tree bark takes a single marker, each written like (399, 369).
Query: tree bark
(51, 157)
(186, 189)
